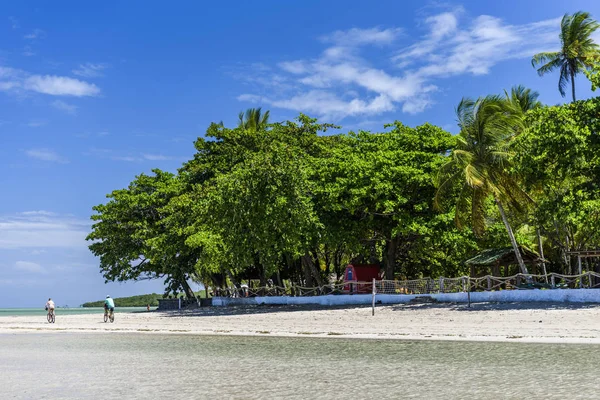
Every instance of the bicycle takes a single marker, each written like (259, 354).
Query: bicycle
(51, 316)
(109, 316)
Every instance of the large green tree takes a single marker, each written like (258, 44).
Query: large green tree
(253, 197)
(578, 50)
(558, 160)
(385, 181)
(134, 236)
(480, 164)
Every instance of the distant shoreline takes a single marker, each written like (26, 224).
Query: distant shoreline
(531, 323)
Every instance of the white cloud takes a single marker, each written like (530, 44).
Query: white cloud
(46, 155)
(36, 34)
(91, 134)
(90, 70)
(14, 22)
(36, 124)
(29, 266)
(10, 76)
(358, 37)
(156, 157)
(327, 104)
(126, 158)
(27, 52)
(343, 82)
(12, 79)
(293, 67)
(39, 213)
(448, 50)
(60, 86)
(40, 231)
(66, 107)
(143, 157)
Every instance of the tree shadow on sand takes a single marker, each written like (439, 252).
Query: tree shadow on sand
(254, 309)
(489, 306)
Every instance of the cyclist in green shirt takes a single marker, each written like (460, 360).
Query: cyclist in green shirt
(109, 304)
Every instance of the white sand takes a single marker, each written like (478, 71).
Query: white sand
(532, 322)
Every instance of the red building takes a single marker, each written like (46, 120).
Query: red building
(363, 273)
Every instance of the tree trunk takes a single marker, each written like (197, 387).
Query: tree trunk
(234, 281)
(316, 274)
(189, 293)
(541, 247)
(512, 237)
(305, 261)
(390, 257)
(373, 256)
(573, 85)
(569, 268)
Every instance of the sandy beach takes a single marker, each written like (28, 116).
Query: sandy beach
(531, 322)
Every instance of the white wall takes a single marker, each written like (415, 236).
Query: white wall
(556, 295)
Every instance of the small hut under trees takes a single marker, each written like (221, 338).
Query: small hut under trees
(504, 256)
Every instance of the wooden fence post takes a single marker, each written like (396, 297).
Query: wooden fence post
(580, 272)
(469, 292)
(373, 300)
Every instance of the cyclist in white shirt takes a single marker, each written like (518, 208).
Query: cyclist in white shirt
(50, 305)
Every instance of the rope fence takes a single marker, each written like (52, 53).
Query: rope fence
(485, 283)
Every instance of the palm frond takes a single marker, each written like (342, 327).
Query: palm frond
(522, 98)
(464, 112)
(461, 213)
(253, 119)
(563, 79)
(545, 58)
(473, 176)
(265, 118)
(478, 211)
(447, 182)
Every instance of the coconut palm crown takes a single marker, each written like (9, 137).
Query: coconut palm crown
(253, 119)
(578, 50)
(480, 164)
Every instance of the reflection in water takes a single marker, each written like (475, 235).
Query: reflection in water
(145, 366)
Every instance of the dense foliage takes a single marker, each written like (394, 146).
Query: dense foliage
(287, 202)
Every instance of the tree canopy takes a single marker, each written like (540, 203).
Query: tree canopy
(291, 202)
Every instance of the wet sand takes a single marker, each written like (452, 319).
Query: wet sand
(530, 322)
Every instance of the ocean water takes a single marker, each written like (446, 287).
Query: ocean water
(14, 312)
(155, 366)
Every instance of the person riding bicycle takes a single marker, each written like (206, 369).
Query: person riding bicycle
(109, 304)
(50, 305)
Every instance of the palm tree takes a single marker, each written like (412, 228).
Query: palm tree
(577, 52)
(480, 164)
(253, 119)
(522, 98)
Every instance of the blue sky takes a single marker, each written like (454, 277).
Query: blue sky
(91, 96)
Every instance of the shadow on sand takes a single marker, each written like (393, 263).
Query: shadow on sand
(496, 306)
(267, 309)
(259, 309)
